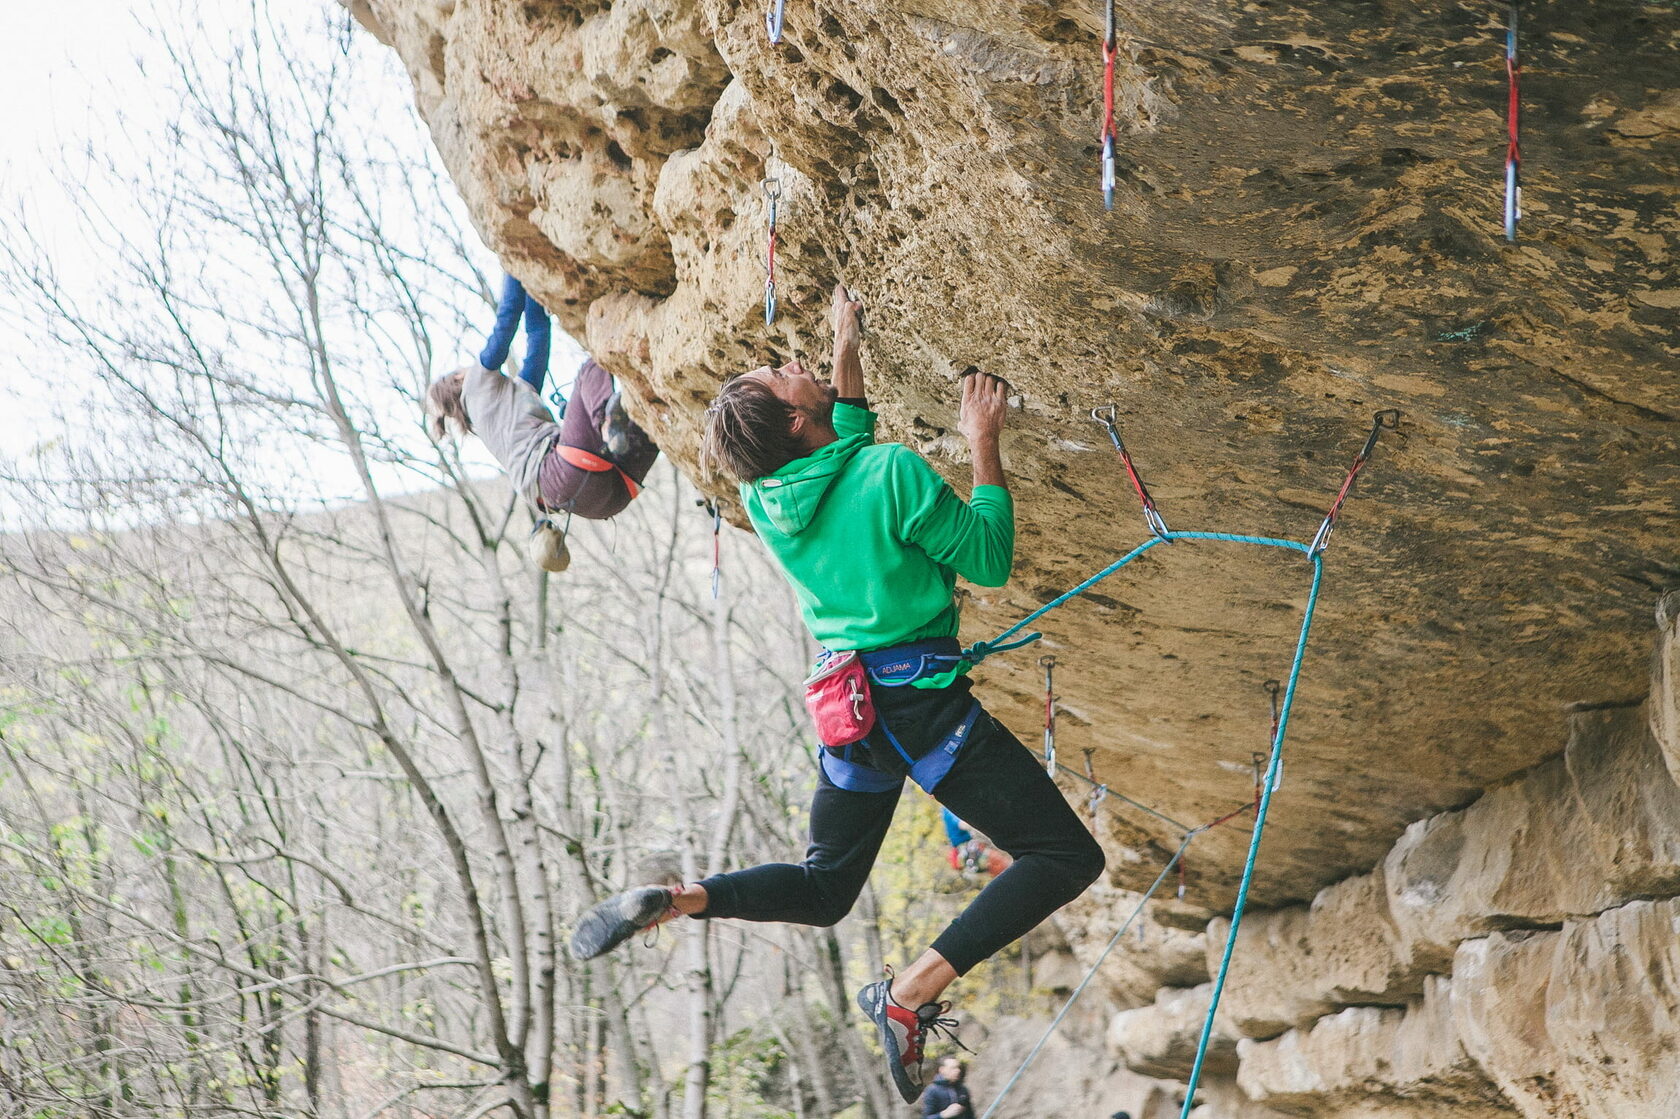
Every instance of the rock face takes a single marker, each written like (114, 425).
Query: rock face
(1520, 957)
(1307, 228)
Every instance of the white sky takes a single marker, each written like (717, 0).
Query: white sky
(90, 76)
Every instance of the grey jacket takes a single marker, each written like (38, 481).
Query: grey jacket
(510, 417)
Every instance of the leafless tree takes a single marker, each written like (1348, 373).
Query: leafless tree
(304, 771)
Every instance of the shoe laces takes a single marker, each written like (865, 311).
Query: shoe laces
(931, 1017)
(650, 933)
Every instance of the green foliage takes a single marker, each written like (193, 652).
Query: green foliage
(748, 1070)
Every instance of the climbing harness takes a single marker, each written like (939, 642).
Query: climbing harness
(1314, 553)
(1389, 418)
(773, 202)
(1108, 108)
(1513, 153)
(1151, 515)
(1048, 663)
(774, 17)
(595, 464)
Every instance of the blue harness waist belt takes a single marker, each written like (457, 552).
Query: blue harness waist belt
(897, 667)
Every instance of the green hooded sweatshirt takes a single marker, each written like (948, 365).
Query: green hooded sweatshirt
(873, 540)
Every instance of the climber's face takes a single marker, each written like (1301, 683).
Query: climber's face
(791, 384)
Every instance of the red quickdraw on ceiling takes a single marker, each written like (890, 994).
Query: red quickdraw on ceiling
(1389, 418)
(773, 207)
(1513, 152)
(1106, 415)
(1108, 109)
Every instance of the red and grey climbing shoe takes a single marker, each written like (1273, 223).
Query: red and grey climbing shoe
(619, 918)
(903, 1033)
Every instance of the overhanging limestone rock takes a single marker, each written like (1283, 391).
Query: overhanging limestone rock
(1504, 960)
(1583, 1022)
(1665, 683)
(1399, 1062)
(1306, 229)
(1297, 964)
(1579, 834)
(1160, 1040)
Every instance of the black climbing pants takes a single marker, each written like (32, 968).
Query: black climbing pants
(997, 786)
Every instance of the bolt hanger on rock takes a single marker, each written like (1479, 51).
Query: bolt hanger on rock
(1513, 151)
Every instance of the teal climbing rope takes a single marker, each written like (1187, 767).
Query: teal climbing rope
(980, 650)
(1273, 768)
(1314, 552)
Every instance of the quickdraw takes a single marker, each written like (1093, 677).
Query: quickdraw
(1048, 663)
(773, 203)
(1108, 109)
(1099, 791)
(1273, 689)
(1389, 418)
(1513, 152)
(774, 17)
(1106, 415)
(715, 511)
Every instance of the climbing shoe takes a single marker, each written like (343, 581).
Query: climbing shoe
(903, 1033)
(617, 919)
(616, 426)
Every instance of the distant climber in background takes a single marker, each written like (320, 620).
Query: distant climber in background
(590, 464)
(971, 855)
(872, 541)
(947, 1096)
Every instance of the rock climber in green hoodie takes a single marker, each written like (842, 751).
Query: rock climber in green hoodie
(873, 541)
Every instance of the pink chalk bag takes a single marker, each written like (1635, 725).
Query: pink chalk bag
(837, 696)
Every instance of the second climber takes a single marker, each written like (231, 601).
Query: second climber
(591, 464)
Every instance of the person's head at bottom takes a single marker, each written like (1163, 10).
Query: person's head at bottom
(951, 1069)
(1121, 1115)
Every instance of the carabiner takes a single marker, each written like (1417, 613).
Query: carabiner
(773, 20)
(1157, 524)
(1389, 418)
